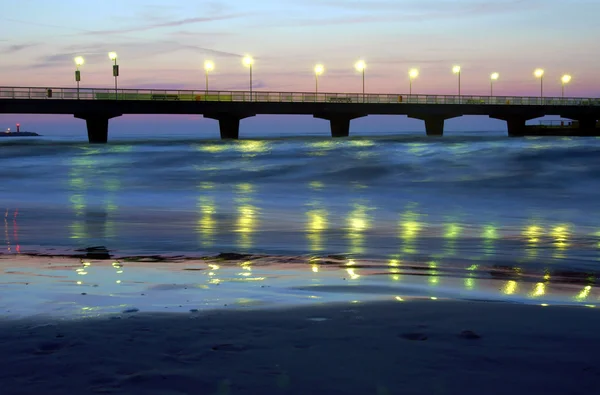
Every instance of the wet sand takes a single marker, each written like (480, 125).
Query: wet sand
(403, 347)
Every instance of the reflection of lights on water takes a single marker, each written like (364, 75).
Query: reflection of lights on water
(247, 213)
(244, 188)
(316, 185)
(319, 146)
(410, 229)
(452, 231)
(246, 220)
(547, 276)
(490, 232)
(315, 268)
(533, 233)
(433, 279)
(361, 143)
(539, 290)
(399, 299)
(358, 223)
(78, 202)
(585, 292)
(212, 148)
(510, 287)
(469, 283)
(352, 274)
(206, 225)
(394, 262)
(560, 235)
(316, 225)
(252, 146)
(246, 224)
(206, 185)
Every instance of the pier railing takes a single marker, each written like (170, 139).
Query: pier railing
(39, 93)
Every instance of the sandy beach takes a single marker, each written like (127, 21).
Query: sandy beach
(402, 347)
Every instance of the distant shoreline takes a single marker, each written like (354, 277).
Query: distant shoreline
(18, 134)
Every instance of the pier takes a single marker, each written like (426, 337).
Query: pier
(97, 106)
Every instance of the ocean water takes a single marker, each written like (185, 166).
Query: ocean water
(512, 205)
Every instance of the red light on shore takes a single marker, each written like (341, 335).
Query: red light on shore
(18, 124)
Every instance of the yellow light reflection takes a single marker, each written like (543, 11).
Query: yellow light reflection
(316, 224)
(207, 224)
(358, 223)
(533, 234)
(212, 148)
(585, 292)
(469, 283)
(409, 230)
(561, 236)
(433, 278)
(316, 185)
(246, 225)
(510, 287)
(251, 148)
(490, 234)
(247, 215)
(352, 274)
(539, 290)
(453, 231)
(320, 148)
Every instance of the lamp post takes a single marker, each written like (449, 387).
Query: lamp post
(456, 70)
(113, 56)
(539, 73)
(565, 80)
(78, 63)
(208, 67)
(248, 62)
(319, 69)
(493, 77)
(360, 66)
(412, 74)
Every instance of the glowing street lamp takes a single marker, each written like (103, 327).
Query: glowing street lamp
(113, 56)
(319, 69)
(539, 73)
(208, 67)
(493, 77)
(248, 62)
(456, 70)
(78, 63)
(412, 74)
(565, 80)
(360, 66)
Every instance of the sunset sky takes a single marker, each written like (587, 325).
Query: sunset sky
(163, 44)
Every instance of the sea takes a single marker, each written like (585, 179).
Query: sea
(451, 210)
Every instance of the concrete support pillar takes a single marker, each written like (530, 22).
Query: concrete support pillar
(339, 123)
(587, 127)
(516, 123)
(516, 126)
(229, 124)
(97, 126)
(434, 124)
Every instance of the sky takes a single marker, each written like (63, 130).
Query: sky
(163, 44)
